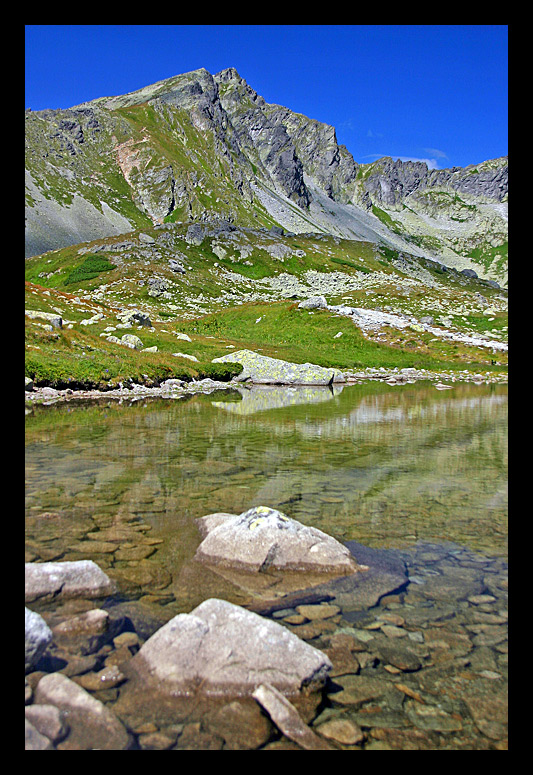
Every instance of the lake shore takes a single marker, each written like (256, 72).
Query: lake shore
(176, 388)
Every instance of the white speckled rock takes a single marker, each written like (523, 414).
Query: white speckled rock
(263, 538)
(262, 370)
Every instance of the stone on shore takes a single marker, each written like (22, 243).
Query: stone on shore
(314, 302)
(263, 538)
(82, 578)
(38, 636)
(225, 650)
(262, 370)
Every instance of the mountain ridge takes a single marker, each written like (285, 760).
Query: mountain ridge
(197, 146)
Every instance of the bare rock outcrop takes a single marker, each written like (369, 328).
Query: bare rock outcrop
(263, 538)
(222, 649)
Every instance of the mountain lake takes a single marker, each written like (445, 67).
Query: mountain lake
(416, 475)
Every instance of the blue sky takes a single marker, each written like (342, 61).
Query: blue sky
(431, 92)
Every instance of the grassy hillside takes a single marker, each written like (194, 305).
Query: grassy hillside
(240, 289)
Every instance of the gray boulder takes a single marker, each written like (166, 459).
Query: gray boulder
(263, 538)
(227, 650)
(315, 302)
(82, 578)
(158, 286)
(38, 636)
(92, 725)
(195, 234)
(131, 341)
(176, 266)
(55, 320)
(262, 370)
(135, 317)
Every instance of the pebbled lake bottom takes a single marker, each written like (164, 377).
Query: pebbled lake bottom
(416, 475)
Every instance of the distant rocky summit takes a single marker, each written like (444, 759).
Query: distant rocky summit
(197, 146)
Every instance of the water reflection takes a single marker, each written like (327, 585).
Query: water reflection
(379, 465)
(260, 399)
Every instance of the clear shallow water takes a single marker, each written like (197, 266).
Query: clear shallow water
(413, 469)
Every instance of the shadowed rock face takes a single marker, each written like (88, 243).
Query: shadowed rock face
(223, 649)
(263, 538)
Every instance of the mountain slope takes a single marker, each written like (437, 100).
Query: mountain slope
(198, 146)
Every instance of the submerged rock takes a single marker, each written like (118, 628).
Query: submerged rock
(262, 370)
(263, 538)
(223, 649)
(82, 578)
(38, 636)
(92, 724)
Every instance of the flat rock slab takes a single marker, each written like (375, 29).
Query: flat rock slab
(48, 580)
(223, 649)
(262, 370)
(287, 719)
(263, 538)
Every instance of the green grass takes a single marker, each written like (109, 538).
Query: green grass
(294, 335)
(68, 358)
(89, 269)
(79, 356)
(352, 264)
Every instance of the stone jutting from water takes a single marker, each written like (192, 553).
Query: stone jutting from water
(263, 538)
(262, 370)
(226, 650)
(82, 578)
(38, 636)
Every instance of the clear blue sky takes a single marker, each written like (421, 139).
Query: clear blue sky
(431, 92)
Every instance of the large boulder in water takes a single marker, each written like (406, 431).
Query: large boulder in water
(261, 370)
(223, 649)
(263, 538)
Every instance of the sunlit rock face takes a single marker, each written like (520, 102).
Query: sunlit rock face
(262, 370)
(263, 538)
(223, 649)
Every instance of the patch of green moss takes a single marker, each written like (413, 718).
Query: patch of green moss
(89, 269)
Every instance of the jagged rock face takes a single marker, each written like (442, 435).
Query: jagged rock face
(391, 182)
(198, 146)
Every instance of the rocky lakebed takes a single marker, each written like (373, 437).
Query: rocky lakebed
(340, 647)
(273, 634)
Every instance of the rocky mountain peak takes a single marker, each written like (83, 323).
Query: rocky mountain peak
(198, 145)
